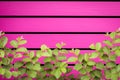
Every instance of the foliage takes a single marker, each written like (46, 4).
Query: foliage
(56, 63)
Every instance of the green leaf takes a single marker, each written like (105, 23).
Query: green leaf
(31, 73)
(31, 54)
(98, 46)
(80, 57)
(15, 73)
(77, 52)
(106, 50)
(78, 66)
(34, 59)
(100, 66)
(83, 71)
(63, 70)
(22, 42)
(2, 71)
(38, 53)
(14, 43)
(114, 77)
(27, 59)
(118, 68)
(48, 59)
(86, 57)
(22, 70)
(91, 63)
(85, 77)
(112, 57)
(37, 67)
(92, 46)
(105, 57)
(72, 59)
(61, 57)
(46, 54)
(98, 73)
(107, 74)
(5, 61)
(112, 35)
(18, 55)
(58, 45)
(8, 74)
(110, 64)
(2, 53)
(94, 55)
(57, 73)
(108, 43)
(55, 52)
(117, 41)
(89, 68)
(29, 65)
(22, 49)
(44, 47)
(3, 41)
(117, 52)
(18, 65)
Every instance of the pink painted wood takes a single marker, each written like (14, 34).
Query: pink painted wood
(59, 8)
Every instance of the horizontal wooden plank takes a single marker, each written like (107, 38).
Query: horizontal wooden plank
(72, 41)
(60, 8)
(59, 25)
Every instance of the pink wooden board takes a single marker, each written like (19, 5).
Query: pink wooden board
(59, 24)
(59, 8)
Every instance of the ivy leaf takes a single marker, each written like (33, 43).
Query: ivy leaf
(118, 68)
(85, 77)
(99, 66)
(29, 65)
(48, 59)
(112, 35)
(27, 59)
(37, 67)
(5, 61)
(18, 65)
(83, 71)
(117, 52)
(98, 73)
(22, 49)
(80, 57)
(61, 57)
(15, 73)
(2, 71)
(104, 57)
(72, 59)
(92, 46)
(114, 77)
(46, 54)
(98, 46)
(112, 57)
(117, 41)
(91, 63)
(110, 64)
(78, 66)
(3, 41)
(31, 54)
(108, 42)
(63, 70)
(2, 53)
(106, 50)
(86, 56)
(14, 43)
(38, 53)
(44, 47)
(22, 70)
(77, 51)
(18, 55)
(32, 73)
(34, 59)
(8, 74)
(107, 74)
(57, 73)
(94, 55)
(22, 42)
(55, 52)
